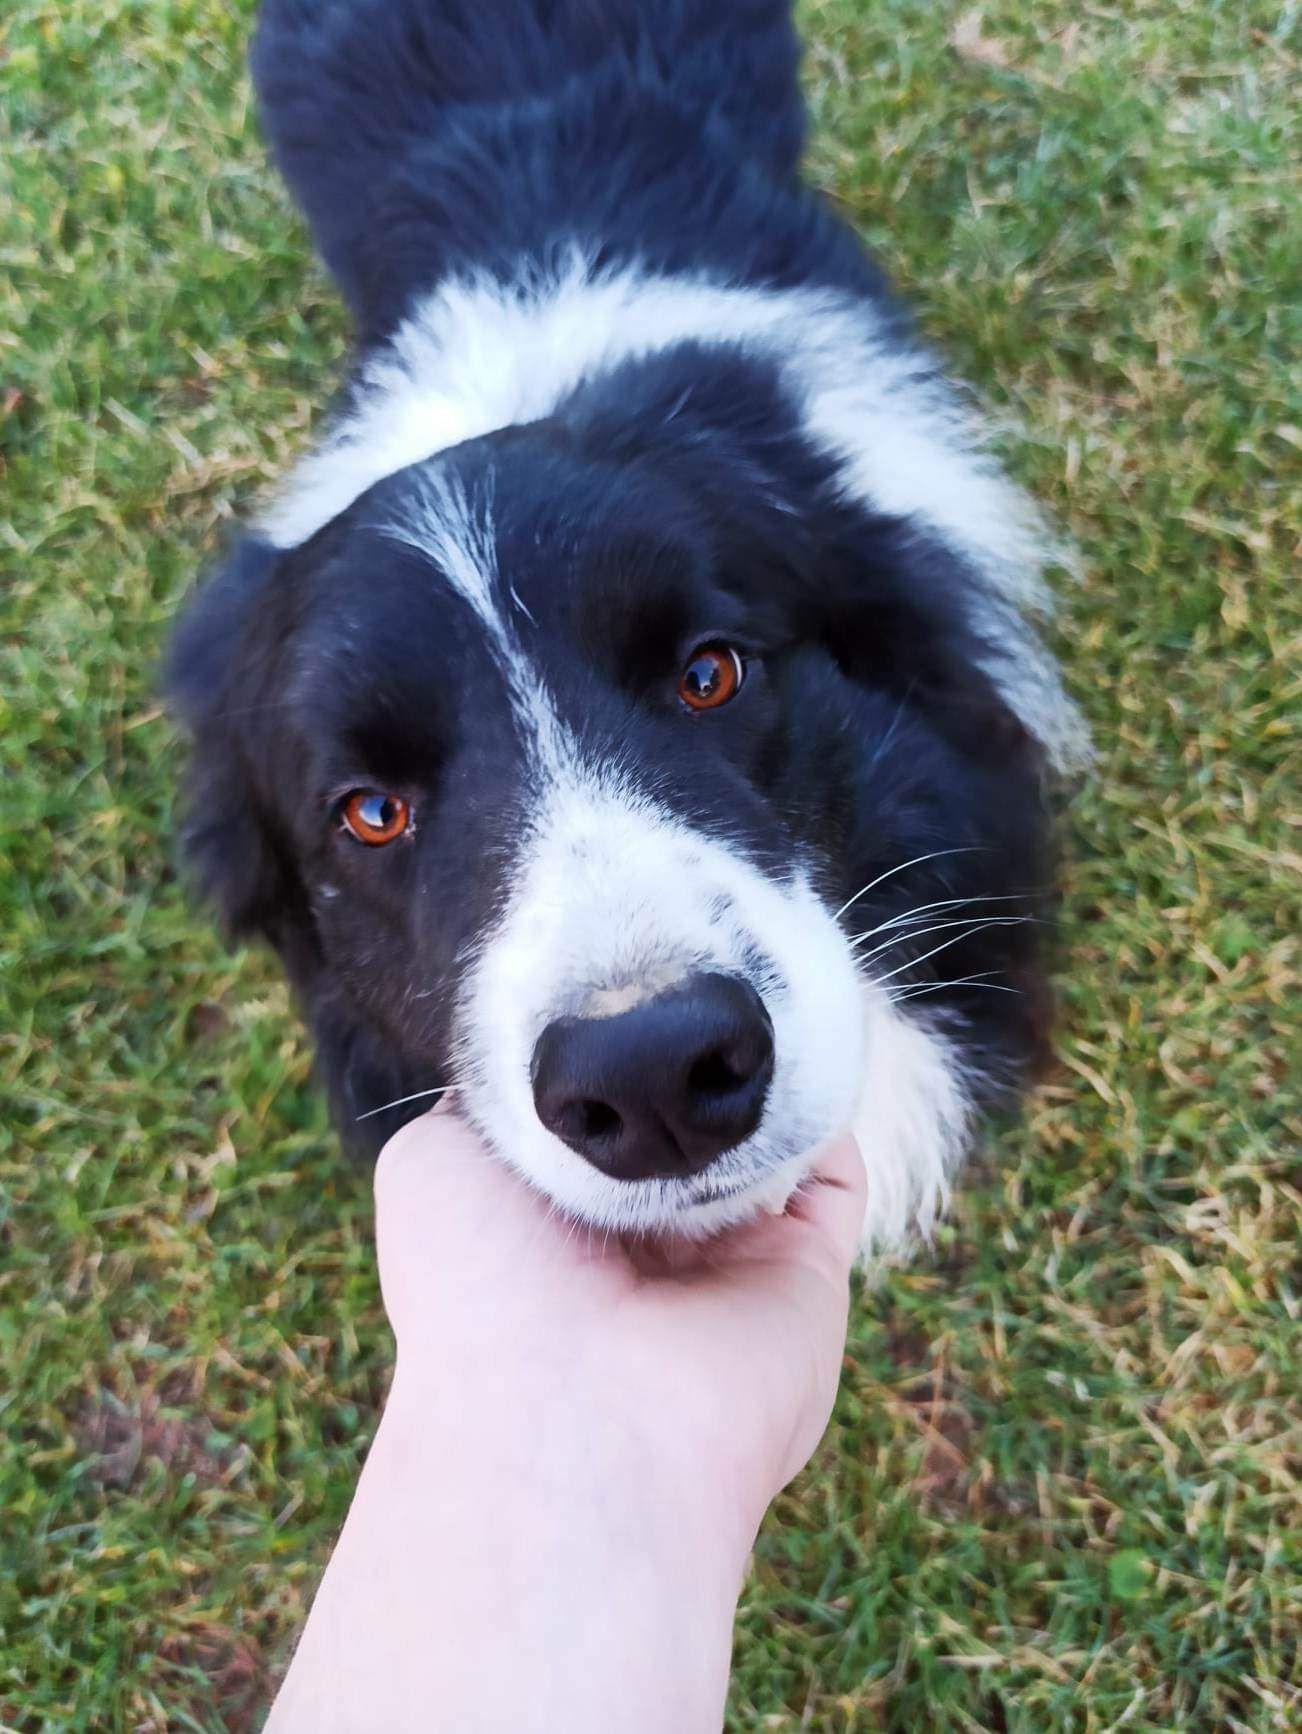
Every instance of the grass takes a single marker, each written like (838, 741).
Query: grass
(1059, 1492)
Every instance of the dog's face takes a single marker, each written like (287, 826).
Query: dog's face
(636, 819)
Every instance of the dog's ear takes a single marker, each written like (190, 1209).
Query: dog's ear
(225, 677)
(223, 680)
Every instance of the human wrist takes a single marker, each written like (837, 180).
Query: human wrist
(548, 1581)
(543, 1455)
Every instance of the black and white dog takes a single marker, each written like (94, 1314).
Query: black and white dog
(629, 716)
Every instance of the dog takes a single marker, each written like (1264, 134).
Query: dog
(630, 721)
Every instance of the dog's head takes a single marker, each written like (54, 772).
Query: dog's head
(643, 810)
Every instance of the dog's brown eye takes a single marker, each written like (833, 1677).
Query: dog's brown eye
(711, 678)
(373, 817)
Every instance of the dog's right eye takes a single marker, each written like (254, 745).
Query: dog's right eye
(373, 817)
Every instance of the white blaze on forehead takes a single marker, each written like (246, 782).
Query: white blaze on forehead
(455, 532)
(479, 355)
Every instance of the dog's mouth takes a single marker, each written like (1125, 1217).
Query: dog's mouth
(716, 1194)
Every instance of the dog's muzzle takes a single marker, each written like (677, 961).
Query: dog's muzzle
(663, 1089)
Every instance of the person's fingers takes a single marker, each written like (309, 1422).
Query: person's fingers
(452, 1218)
(430, 1175)
(832, 1201)
(434, 1162)
(449, 1214)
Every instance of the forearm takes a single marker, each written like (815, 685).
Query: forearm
(490, 1578)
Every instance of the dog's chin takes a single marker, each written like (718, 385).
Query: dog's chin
(708, 1208)
(758, 1177)
(688, 1209)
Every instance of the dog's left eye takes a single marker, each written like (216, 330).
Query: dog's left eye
(712, 677)
(373, 817)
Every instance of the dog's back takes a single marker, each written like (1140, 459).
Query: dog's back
(429, 136)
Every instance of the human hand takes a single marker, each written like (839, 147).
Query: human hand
(710, 1365)
(582, 1436)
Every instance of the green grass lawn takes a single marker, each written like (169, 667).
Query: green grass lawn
(1059, 1492)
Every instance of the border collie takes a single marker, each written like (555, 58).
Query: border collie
(630, 716)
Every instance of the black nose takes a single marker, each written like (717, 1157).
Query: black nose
(663, 1089)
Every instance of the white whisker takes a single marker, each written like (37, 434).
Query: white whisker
(974, 923)
(914, 962)
(416, 1096)
(917, 861)
(929, 908)
(978, 980)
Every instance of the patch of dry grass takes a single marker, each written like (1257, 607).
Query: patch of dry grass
(1060, 1491)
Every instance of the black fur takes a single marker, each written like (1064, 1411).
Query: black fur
(671, 499)
(421, 136)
